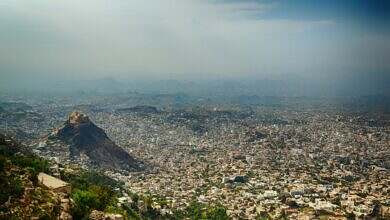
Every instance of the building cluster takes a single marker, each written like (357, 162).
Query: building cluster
(305, 164)
(268, 162)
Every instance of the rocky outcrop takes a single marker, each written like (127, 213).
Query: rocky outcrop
(65, 209)
(54, 184)
(99, 215)
(85, 138)
(24, 195)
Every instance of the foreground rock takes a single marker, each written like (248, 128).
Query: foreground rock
(25, 195)
(99, 215)
(62, 189)
(56, 185)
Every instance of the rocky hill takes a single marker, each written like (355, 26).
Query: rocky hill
(87, 139)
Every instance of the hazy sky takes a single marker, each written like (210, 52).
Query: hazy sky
(193, 38)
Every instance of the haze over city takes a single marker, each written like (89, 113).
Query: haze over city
(194, 109)
(192, 40)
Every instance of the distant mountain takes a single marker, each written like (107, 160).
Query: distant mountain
(143, 109)
(84, 137)
(15, 106)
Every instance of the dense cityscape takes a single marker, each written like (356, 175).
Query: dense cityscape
(195, 110)
(259, 160)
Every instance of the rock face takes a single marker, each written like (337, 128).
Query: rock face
(99, 215)
(85, 138)
(56, 185)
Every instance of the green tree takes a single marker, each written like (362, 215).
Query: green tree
(84, 202)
